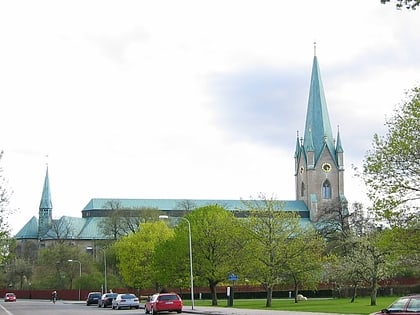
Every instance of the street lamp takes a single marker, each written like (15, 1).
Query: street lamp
(80, 271)
(191, 258)
(105, 282)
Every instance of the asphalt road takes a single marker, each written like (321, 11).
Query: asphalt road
(44, 307)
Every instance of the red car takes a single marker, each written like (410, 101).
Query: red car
(163, 302)
(10, 297)
(404, 305)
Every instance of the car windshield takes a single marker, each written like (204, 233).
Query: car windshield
(128, 296)
(414, 305)
(398, 305)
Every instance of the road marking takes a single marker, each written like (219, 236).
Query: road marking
(9, 313)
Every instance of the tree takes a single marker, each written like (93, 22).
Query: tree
(61, 231)
(135, 253)
(332, 222)
(53, 270)
(391, 170)
(278, 243)
(217, 245)
(408, 4)
(6, 243)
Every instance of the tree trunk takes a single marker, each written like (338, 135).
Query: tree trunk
(354, 294)
(296, 293)
(269, 301)
(373, 292)
(212, 286)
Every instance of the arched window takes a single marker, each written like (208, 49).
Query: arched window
(326, 190)
(302, 189)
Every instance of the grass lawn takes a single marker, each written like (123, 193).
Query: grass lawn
(359, 306)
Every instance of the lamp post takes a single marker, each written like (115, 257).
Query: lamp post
(80, 271)
(191, 257)
(105, 281)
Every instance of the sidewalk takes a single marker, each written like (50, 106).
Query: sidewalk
(236, 311)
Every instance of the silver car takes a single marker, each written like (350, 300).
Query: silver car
(126, 300)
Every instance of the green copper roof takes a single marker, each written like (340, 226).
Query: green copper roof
(46, 194)
(318, 131)
(177, 204)
(29, 231)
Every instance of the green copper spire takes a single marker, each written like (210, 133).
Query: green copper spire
(46, 194)
(318, 131)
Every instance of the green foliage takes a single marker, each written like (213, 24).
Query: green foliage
(283, 250)
(53, 270)
(6, 245)
(217, 246)
(401, 4)
(391, 170)
(135, 253)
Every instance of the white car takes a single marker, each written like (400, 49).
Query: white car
(126, 300)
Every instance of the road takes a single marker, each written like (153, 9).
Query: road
(44, 307)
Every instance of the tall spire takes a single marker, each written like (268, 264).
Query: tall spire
(318, 131)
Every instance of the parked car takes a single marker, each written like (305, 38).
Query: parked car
(106, 300)
(126, 300)
(404, 305)
(93, 298)
(163, 302)
(10, 297)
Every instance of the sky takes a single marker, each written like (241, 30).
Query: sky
(189, 99)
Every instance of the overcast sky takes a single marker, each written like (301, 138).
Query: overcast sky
(188, 99)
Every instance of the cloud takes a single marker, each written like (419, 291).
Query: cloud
(263, 105)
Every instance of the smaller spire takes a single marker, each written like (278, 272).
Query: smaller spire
(338, 148)
(298, 147)
(314, 48)
(46, 194)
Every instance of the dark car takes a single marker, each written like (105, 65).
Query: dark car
(10, 297)
(93, 298)
(106, 300)
(409, 304)
(163, 302)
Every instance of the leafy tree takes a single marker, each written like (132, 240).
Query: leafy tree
(217, 246)
(53, 270)
(281, 247)
(391, 170)
(135, 253)
(370, 261)
(408, 4)
(6, 244)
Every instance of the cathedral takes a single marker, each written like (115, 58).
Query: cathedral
(319, 183)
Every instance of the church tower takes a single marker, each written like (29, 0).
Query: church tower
(319, 165)
(45, 208)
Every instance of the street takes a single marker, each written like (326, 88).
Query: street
(44, 307)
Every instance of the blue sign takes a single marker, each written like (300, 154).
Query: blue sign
(233, 277)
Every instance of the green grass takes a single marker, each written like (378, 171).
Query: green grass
(343, 305)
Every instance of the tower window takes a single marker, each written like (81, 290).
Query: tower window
(326, 190)
(302, 189)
